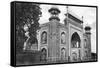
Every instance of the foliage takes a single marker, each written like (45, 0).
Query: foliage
(26, 14)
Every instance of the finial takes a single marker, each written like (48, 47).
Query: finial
(82, 19)
(66, 14)
(67, 9)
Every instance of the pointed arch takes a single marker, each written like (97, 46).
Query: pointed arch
(44, 54)
(75, 40)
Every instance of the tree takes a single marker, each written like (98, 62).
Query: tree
(26, 14)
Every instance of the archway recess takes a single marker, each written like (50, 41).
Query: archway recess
(75, 40)
(44, 54)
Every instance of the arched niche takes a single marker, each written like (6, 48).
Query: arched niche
(63, 37)
(74, 56)
(44, 37)
(43, 54)
(75, 40)
(85, 43)
(63, 53)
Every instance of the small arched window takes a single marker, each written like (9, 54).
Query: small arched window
(74, 56)
(63, 53)
(44, 37)
(43, 54)
(63, 38)
(85, 43)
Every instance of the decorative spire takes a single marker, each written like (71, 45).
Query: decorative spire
(54, 11)
(82, 20)
(66, 14)
(67, 11)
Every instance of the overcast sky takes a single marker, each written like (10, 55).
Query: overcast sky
(88, 13)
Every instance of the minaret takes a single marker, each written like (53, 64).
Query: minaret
(88, 34)
(54, 11)
(53, 47)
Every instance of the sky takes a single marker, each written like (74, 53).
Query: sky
(88, 13)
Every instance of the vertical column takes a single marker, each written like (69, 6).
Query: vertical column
(88, 33)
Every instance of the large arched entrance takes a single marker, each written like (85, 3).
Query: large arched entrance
(75, 40)
(44, 54)
(76, 43)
